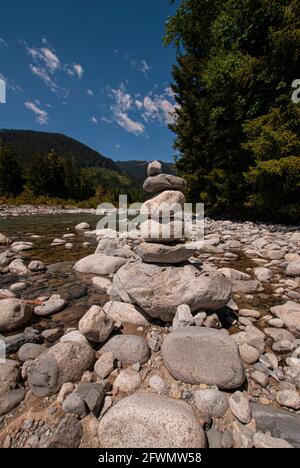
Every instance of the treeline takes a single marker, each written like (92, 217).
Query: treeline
(237, 128)
(56, 177)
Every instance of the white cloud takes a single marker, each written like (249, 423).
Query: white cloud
(117, 147)
(159, 107)
(3, 43)
(139, 104)
(106, 120)
(123, 104)
(90, 92)
(123, 99)
(93, 120)
(46, 57)
(122, 119)
(41, 115)
(11, 85)
(78, 70)
(144, 67)
(43, 74)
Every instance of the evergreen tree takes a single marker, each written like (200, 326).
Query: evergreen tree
(46, 175)
(10, 172)
(236, 62)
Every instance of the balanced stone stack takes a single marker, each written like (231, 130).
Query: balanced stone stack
(162, 278)
(164, 211)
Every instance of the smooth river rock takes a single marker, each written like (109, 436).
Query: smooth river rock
(290, 314)
(198, 355)
(64, 362)
(96, 325)
(14, 314)
(160, 290)
(128, 349)
(147, 420)
(125, 313)
(98, 264)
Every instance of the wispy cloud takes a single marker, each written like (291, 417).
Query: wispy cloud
(11, 85)
(141, 65)
(158, 107)
(41, 115)
(120, 109)
(46, 64)
(75, 70)
(46, 77)
(3, 43)
(45, 56)
(131, 126)
(90, 92)
(93, 120)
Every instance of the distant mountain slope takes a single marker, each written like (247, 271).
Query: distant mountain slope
(138, 169)
(27, 142)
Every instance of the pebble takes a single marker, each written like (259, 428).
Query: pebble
(240, 407)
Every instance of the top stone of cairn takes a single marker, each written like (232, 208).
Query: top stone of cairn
(154, 168)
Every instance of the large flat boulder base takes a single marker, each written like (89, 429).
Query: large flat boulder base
(145, 420)
(199, 355)
(159, 290)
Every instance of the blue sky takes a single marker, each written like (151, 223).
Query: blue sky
(94, 70)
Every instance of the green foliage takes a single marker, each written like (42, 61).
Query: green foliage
(236, 60)
(10, 172)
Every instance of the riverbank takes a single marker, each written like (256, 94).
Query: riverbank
(30, 210)
(262, 318)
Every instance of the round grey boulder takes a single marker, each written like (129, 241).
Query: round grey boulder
(14, 314)
(211, 402)
(128, 349)
(198, 355)
(147, 420)
(64, 362)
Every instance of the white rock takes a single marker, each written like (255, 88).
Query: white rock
(96, 325)
(99, 264)
(125, 313)
(127, 381)
(157, 383)
(102, 284)
(82, 226)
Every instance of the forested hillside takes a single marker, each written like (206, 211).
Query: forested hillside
(25, 143)
(45, 167)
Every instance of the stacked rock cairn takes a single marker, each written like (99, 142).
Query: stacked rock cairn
(162, 278)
